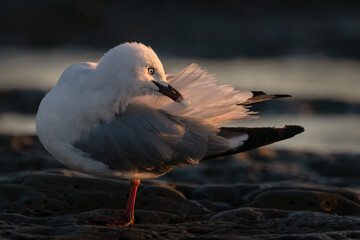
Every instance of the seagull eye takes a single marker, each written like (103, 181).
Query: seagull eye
(151, 71)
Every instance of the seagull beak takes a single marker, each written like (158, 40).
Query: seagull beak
(170, 92)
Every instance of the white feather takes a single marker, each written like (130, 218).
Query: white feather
(89, 93)
(204, 99)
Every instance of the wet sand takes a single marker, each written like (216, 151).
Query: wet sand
(261, 194)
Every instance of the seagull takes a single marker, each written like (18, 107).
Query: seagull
(124, 117)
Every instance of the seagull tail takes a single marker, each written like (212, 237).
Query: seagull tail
(257, 137)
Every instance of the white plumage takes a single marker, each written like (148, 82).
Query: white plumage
(92, 97)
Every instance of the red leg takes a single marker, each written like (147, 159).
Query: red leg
(128, 218)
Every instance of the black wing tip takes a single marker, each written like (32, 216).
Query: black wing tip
(282, 95)
(259, 137)
(258, 93)
(292, 130)
(261, 93)
(260, 96)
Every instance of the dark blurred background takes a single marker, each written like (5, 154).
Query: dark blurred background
(309, 49)
(215, 29)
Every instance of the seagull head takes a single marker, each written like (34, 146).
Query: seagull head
(135, 70)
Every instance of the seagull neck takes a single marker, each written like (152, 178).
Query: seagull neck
(115, 94)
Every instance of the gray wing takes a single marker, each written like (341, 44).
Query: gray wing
(149, 140)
